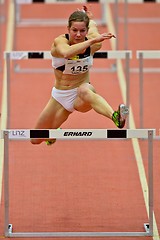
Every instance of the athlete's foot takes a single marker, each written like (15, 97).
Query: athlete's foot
(119, 116)
(50, 142)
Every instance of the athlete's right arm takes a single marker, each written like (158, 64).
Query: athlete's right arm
(61, 47)
(57, 44)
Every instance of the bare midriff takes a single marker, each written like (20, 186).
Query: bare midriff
(68, 81)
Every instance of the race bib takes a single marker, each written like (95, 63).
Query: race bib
(78, 66)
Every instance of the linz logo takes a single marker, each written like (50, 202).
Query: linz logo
(77, 134)
(17, 133)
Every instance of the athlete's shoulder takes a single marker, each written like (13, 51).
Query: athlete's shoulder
(60, 38)
(58, 45)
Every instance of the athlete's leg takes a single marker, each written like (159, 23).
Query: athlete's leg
(88, 99)
(51, 117)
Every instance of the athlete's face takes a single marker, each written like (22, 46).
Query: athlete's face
(77, 32)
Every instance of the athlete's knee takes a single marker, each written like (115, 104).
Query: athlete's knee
(35, 141)
(85, 90)
(82, 91)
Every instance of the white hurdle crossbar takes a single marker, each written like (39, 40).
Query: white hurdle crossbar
(141, 55)
(77, 134)
(74, 134)
(20, 55)
(57, 1)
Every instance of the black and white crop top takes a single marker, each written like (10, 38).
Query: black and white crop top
(78, 64)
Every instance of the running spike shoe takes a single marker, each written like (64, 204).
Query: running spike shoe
(50, 142)
(119, 116)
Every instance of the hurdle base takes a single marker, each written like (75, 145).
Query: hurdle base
(146, 227)
(76, 234)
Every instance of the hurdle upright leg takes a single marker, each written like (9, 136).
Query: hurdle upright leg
(6, 183)
(150, 181)
(141, 89)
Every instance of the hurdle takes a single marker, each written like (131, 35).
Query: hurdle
(2, 17)
(77, 134)
(141, 55)
(20, 55)
(52, 22)
(126, 19)
(115, 54)
(2, 20)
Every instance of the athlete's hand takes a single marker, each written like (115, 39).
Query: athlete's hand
(87, 11)
(107, 35)
(103, 37)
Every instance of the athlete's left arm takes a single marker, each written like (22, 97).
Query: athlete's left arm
(93, 32)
